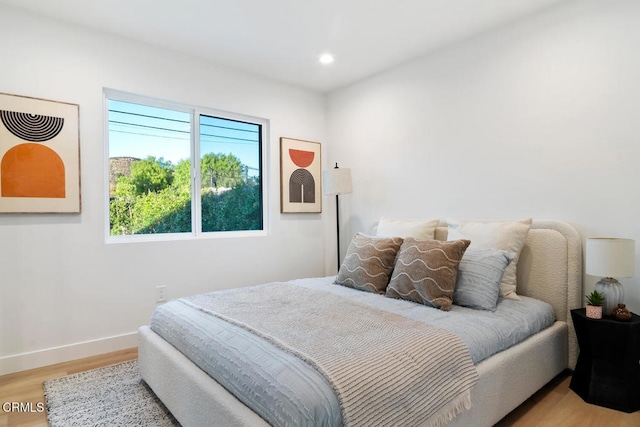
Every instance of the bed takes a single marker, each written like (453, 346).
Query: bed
(548, 269)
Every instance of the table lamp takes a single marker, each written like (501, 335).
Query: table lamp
(609, 259)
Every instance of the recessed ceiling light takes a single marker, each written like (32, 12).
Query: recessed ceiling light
(326, 58)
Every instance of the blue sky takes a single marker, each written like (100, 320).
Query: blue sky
(141, 131)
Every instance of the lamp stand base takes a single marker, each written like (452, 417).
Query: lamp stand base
(613, 293)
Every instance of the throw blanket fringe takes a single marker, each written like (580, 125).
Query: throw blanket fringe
(386, 369)
(451, 409)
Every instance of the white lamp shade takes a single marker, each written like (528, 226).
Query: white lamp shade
(336, 181)
(607, 257)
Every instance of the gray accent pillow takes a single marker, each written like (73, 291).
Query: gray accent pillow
(506, 235)
(479, 275)
(426, 271)
(368, 263)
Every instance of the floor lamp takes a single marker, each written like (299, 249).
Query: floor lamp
(337, 181)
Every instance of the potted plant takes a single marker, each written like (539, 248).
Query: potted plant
(595, 300)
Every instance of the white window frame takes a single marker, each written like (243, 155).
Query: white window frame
(196, 199)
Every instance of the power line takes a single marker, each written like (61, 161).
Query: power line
(116, 122)
(229, 137)
(229, 128)
(148, 134)
(150, 117)
(189, 121)
(183, 138)
(148, 127)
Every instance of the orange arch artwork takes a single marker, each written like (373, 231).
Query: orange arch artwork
(302, 158)
(302, 186)
(39, 156)
(301, 190)
(32, 170)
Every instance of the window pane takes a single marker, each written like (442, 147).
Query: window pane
(231, 183)
(149, 173)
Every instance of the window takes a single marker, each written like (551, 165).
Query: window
(176, 171)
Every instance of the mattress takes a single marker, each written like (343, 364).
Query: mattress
(283, 389)
(484, 332)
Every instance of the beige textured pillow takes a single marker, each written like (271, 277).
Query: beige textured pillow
(368, 263)
(422, 230)
(426, 271)
(506, 235)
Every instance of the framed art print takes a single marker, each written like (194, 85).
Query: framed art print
(300, 176)
(39, 156)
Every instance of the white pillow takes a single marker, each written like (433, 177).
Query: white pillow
(507, 236)
(419, 230)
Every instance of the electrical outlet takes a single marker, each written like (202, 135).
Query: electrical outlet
(161, 293)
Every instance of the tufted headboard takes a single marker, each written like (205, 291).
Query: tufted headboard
(550, 269)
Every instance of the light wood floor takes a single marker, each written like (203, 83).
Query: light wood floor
(554, 405)
(26, 386)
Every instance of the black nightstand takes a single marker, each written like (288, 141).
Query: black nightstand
(608, 368)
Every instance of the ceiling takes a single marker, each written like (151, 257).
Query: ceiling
(283, 39)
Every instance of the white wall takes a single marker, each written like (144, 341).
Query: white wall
(538, 118)
(64, 293)
(535, 119)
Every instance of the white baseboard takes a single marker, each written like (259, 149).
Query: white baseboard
(65, 353)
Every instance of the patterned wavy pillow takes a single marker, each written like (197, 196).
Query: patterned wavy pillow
(368, 263)
(426, 271)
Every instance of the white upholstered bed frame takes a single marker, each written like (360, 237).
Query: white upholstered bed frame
(549, 269)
